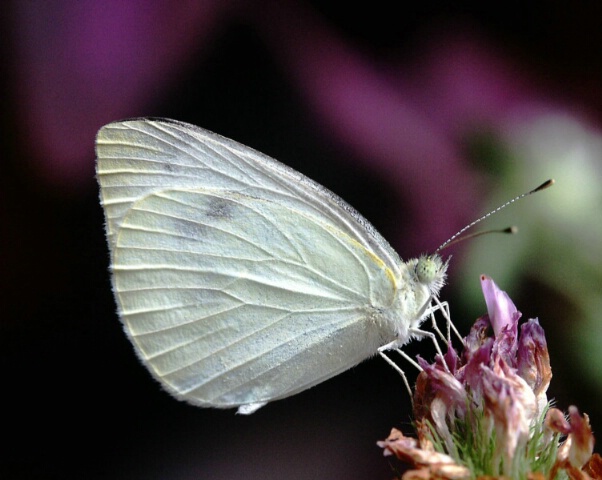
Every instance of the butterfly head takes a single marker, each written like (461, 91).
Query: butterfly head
(431, 271)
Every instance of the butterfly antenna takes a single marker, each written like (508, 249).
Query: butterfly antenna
(457, 237)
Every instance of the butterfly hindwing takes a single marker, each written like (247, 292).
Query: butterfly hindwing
(231, 299)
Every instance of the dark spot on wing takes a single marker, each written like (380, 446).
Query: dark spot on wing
(219, 208)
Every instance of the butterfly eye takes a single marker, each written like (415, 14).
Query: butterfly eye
(428, 269)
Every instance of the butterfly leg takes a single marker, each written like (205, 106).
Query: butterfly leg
(433, 337)
(443, 307)
(399, 370)
(430, 311)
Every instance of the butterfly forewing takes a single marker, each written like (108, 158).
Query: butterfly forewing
(139, 157)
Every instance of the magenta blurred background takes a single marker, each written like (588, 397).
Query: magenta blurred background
(393, 108)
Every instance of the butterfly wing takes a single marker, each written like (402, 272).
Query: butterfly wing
(232, 300)
(141, 156)
(238, 279)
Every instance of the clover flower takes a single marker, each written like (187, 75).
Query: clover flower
(487, 414)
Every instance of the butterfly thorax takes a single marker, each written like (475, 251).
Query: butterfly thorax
(421, 279)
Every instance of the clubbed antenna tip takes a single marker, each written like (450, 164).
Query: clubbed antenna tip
(457, 238)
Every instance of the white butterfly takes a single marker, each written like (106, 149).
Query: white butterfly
(239, 280)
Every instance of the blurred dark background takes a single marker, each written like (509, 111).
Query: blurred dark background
(421, 116)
